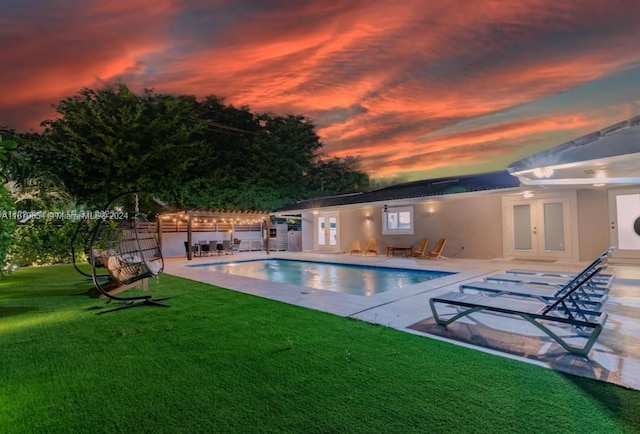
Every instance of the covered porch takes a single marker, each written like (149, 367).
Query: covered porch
(186, 233)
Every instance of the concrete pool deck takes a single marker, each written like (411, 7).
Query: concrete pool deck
(615, 357)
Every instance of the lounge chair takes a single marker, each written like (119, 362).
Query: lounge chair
(421, 249)
(437, 252)
(565, 274)
(558, 278)
(372, 247)
(355, 247)
(586, 324)
(583, 295)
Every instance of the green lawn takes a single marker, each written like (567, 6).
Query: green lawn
(219, 361)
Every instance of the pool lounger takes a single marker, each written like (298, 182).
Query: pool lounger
(572, 276)
(597, 284)
(544, 295)
(587, 324)
(600, 280)
(576, 289)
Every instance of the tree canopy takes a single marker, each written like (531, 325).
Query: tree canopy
(186, 152)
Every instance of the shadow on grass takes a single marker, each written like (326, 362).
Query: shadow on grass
(7, 311)
(47, 291)
(619, 401)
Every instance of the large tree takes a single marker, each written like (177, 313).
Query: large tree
(186, 152)
(109, 141)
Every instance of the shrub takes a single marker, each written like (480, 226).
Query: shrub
(7, 226)
(44, 241)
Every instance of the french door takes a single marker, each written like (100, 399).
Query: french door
(540, 228)
(624, 222)
(327, 232)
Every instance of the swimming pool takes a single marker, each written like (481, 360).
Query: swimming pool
(351, 279)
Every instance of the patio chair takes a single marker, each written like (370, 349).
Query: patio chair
(226, 247)
(355, 247)
(421, 250)
(437, 252)
(597, 284)
(586, 324)
(204, 247)
(235, 247)
(372, 247)
(194, 249)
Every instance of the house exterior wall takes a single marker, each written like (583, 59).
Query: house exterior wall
(472, 226)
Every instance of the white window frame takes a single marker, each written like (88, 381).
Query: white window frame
(389, 213)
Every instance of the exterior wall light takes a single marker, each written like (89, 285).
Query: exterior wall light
(543, 172)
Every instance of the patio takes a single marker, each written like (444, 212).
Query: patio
(615, 357)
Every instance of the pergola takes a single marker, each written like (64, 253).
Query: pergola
(209, 219)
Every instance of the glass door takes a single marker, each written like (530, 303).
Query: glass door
(624, 222)
(538, 228)
(327, 232)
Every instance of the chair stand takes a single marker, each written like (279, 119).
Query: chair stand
(133, 303)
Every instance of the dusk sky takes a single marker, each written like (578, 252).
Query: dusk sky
(415, 88)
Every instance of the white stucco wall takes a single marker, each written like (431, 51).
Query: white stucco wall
(472, 223)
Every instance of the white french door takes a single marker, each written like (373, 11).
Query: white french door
(539, 228)
(624, 222)
(327, 232)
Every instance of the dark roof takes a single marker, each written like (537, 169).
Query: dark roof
(615, 140)
(417, 189)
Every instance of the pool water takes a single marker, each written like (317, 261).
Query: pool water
(351, 279)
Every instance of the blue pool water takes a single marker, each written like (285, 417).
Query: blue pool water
(350, 279)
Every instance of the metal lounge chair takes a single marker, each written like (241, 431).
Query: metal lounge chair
(583, 295)
(597, 284)
(601, 279)
(586, 324)
(587, 292)
(235, 247)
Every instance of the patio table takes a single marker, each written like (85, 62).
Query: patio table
(405, 250)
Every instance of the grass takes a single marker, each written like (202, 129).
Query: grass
(221, 361)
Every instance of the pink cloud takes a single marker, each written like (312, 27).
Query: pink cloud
(395, 83)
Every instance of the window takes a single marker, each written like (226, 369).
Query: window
(397, 220)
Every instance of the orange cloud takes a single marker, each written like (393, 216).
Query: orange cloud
(407, 88)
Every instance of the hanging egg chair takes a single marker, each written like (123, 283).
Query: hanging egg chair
(125, 245)
(83, 232)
